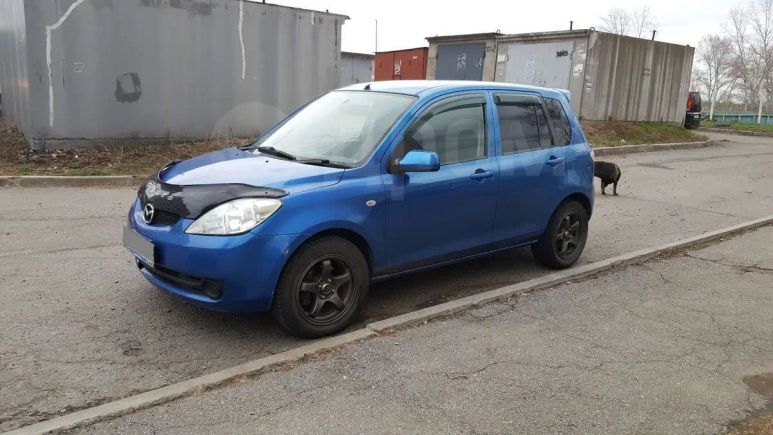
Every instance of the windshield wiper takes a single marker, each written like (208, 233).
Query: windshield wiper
(275, 152)
(323, 162)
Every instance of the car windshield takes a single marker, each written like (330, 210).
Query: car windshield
(340, 127)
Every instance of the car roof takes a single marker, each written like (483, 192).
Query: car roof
(427, 87)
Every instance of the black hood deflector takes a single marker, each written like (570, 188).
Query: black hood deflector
(193, 201)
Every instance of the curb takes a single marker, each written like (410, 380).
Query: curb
(67, 181)
(629, 149)
(206, 382)
(732, 131)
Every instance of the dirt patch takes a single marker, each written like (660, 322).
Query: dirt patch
(16, 158)
(760, 425)
(617, 133)
(761, 384)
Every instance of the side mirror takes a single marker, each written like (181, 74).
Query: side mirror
(417, 161)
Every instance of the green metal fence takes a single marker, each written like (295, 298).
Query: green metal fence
(740, 118)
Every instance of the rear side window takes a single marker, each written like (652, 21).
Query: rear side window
(522, 124)
(562, 130)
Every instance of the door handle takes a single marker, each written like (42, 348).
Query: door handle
(553, 160)
(481, 174)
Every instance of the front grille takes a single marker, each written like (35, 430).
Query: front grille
(212, 288)
(162, 217)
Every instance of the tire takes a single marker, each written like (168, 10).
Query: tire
(313, 297)
(549, 250)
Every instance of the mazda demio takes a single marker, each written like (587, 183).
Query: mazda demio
(361, 184)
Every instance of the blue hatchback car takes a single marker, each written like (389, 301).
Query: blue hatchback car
(365, 183)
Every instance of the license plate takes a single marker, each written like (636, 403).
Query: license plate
(139, 246)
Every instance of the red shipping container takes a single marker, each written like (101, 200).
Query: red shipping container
(410, 64)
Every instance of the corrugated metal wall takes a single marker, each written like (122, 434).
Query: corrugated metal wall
(356, 68)
(14, 79)
(173, 68)
(630, 79)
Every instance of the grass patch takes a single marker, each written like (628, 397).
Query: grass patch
(16, 158)
(616, 133)
(759, 128)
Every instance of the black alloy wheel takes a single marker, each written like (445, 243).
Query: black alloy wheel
(326, 291)
(322, 287)
(564, 238)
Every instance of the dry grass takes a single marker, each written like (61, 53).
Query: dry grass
(142, 159)
(128, 159)
(617, 133)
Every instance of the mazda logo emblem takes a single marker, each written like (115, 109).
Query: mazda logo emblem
(147, 213)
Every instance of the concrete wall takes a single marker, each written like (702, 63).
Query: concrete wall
(149, 69)
(631, 79)
(14, 78)
(356, 68)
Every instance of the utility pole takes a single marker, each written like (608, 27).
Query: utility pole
(654, 32)
(571, 25)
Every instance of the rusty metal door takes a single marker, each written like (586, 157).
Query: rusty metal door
(460, 61)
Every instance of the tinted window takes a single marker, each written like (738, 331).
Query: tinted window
(455, 129)
(562, 130)
(522, 127)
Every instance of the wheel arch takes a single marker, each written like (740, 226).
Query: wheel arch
(348, 234)
(582, 199)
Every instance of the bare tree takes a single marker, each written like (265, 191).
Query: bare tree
(642, 21)
(751, 33)
(617, 21)
(715, 73)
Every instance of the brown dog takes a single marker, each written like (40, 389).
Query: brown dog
(609, 173)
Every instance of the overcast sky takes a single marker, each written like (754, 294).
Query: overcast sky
(405, 23)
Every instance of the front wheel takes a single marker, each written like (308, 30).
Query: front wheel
(322, 287)
(564, 238)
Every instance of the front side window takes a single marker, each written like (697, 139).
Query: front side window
(342, 126)
(562, 130)
(454, 128)
(522, 124)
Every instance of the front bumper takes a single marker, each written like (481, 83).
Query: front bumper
(223, 273)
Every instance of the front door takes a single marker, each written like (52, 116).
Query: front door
(438, 216)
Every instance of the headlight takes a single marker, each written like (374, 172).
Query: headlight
(234, 217)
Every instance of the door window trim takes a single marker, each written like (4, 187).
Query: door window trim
(487, 149)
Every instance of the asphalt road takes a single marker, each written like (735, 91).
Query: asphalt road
(81, 327)
(677, 346)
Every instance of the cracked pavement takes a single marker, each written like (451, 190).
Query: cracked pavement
(81, 326)
(662, 347)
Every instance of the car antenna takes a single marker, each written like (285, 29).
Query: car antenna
(367, 87)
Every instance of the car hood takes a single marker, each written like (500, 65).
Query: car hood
(234, 166)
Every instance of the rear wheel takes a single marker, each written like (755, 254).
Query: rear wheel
(564, 238)
(321, 288)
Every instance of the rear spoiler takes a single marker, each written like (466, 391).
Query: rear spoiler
(567, 94)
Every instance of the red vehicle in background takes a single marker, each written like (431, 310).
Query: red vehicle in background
(692, 119)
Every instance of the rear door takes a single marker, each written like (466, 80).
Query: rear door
(531, 168)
